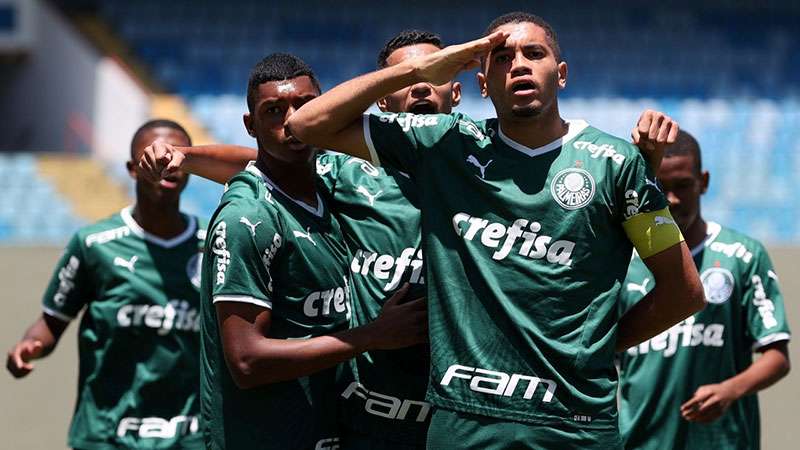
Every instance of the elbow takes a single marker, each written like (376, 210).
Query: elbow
(242, 373)
(303, 128)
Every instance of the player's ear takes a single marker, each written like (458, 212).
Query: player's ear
(248, 124)
(455, 94)
(704, 179)
(562, 75)
(383, 104)
(131, 166)
(482, 85)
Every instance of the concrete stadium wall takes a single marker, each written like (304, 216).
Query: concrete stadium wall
(36, 411)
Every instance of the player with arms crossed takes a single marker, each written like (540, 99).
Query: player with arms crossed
(383, 392)
(693, 386)
(136, 277)
(528, 226)
(276, 295)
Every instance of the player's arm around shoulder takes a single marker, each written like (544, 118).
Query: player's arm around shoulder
(63, 299)
(651, 229)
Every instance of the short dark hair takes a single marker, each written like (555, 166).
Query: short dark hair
(156, 123)
(407, 38)
(523, 17)
(276, 67)
(686, 144)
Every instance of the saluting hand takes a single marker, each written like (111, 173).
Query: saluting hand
(441, 67)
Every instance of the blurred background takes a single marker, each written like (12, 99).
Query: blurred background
(77, 77)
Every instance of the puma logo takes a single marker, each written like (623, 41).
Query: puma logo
(323, 169)
(306, 235)
(474, 161)
(633, 287)
(661, 220)
(652, 183)
(252, 226)
(125, 263)
(362, 190)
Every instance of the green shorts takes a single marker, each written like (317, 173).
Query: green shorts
(352, 440)
(451, 430)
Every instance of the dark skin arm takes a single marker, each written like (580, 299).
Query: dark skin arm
(255, 359)
(39, 340)
(215, 162)
(677, 295)
(711, 401)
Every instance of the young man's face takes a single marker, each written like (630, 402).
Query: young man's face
(683, 186)
(275, 102)
(522, 76)
(421, 98)
(171, 186)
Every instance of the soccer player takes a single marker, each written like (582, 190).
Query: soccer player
(383, 392)
(693, 386)
(528, 226)
(136, 276)
(276, 295)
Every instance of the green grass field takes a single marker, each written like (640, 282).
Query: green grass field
(35, 412)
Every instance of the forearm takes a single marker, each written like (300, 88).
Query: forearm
(275, 360)
(677, 295)
(216, 162)
(763, 373)
(325, 116)
(46, 330)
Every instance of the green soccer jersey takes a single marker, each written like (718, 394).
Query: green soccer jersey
(266, 249)
(744, 313)
(525, 251)
(138, 340)
(383, 392)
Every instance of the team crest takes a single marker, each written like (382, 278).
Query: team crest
(193, 269)
(717, 284)
(572, 188)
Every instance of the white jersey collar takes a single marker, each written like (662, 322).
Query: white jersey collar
(575, 127)
(137, 229)
(318, 211)
(712, 231)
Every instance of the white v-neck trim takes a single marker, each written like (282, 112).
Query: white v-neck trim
(712, 231)
(319, 211)
(575, 127)
(137, 229)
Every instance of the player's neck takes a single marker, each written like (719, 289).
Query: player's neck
(695, 234)
(298, 180)
(534, 132)
(159, 217)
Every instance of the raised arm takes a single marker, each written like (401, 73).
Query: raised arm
(677, 295)
(334, 119)
(254, 359)
(215, 162)
(39, 340)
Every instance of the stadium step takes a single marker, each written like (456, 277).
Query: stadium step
(175, 108)
(92, 192)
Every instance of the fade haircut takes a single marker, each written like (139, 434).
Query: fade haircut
(156, 123)
(686, 144)
(407, 38)
(276, 67)
(523, 17)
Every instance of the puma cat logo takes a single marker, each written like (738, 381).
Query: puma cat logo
(362, 190)
(125, 263)
(474, 161)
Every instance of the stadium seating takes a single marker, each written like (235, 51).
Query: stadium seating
(726, 72)
(31, 210)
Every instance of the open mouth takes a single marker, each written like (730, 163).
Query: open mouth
(422, 107)
(170, 182)
(523, 88)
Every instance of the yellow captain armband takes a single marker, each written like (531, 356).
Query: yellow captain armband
(652, 232)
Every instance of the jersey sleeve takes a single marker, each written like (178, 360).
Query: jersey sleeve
(70, 287)
(644, 210)
(763, 302)
(399, 141)
(242, 242)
